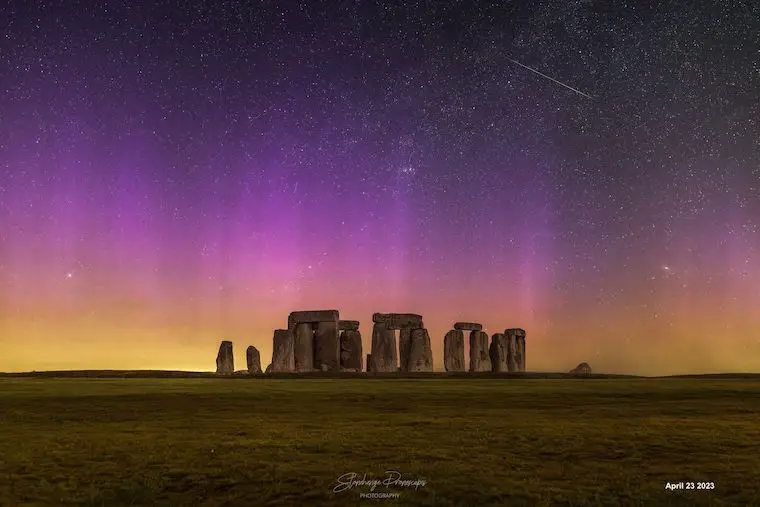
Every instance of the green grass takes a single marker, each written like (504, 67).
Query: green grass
(284, 442)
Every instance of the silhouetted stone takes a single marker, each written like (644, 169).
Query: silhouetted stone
(453, 351)
(351, 351)
(253, 360)
(519, 340)
(225, 360)
(398, 320)
(269, 368)
(479, 359)
(498, 353)
(327, 347)
(384, 352)
(581, 369)
(303, 347)
(311, 317)
(511, 351)
(468, 326)
(369, 363)
(283, 359)
(420, 353)
(348, 325)
(404, 347)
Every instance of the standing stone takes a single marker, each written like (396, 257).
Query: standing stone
(327, 347)
(225, 360)
(384, 352)
(253, 360)
(303, 347)
(453, 351)
(420, 357)
(351, 351)
(404, 348)
(479, 359)
(369, 363)
(498, 353)
(511, 351)
(519, 339)
(468, 326)
(283, 359)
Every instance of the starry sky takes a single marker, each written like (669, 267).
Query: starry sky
(184, 172)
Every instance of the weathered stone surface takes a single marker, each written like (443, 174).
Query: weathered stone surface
(384, 352)
(369, 362)
(468, 326)
(498, 352)
(398, 320)
(581, 369)
(453, 350)
(511, 352)
(404, 347)
(312, 316)
(519, 341)
(479, 359)
(253, 359)
(303, 347)
(348, 325)
(351, 351)
(283, 359)
(420, 356)
(269, 368)
(225, 360)
(327, 347)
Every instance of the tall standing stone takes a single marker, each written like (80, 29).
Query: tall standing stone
(253, 360)
(283, 359)
(327, 347)
(303, 347)
(384, 352)
(519, 340)
(479, 359)
(369, 363)
(453, 351)
(511, 351)
(498, 353)
(351, 351)
(225, 360)
(420, 356)
(404, 348)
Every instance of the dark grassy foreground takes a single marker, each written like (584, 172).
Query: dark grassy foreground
(284, 442)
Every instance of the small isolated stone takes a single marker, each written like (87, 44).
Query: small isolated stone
(253, 360)
(583, 369)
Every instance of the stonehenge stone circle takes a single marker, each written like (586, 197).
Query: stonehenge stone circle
(225, 360)
(479, 358)
(453, 351)
(351, 350)
(253, 360)
(312, 316)
(518, 336)
(327, 346)
(420, 356)
(283, 359)
(498, 353)
(581, 369)
(468, 326)
(348, 325)
(384, 353)
(303, 347)
(395, 321)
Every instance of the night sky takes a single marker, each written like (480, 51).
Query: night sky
(185, 172)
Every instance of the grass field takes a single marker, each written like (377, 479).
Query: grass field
(285, 442)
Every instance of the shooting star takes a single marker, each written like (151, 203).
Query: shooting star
(551, 78)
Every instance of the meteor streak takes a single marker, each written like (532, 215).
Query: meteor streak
(551, 78)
